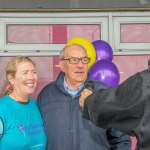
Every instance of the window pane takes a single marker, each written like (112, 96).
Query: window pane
(49, 34)
(135, 33)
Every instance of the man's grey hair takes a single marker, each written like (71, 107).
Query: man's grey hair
(61, 55)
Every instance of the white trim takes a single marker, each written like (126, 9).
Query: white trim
(129, 20)
(110, 30)
(53, 15)
(131, 52)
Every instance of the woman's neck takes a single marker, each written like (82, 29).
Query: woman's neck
(19, 98)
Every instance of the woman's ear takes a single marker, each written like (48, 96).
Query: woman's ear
(10, 79)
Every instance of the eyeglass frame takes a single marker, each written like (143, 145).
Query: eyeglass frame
(68, 59)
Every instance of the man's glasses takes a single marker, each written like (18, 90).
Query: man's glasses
(74, 60)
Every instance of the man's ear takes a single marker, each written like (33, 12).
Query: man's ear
(61, 65)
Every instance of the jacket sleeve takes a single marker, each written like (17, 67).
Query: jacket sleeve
(118, 140)
(120, 107)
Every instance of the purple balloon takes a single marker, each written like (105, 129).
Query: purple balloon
(106, 72)
(103, 50)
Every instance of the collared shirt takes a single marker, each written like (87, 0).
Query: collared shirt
(73, 92)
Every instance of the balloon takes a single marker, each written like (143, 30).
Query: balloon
(103, 50)
(106, 72)
(87, 45)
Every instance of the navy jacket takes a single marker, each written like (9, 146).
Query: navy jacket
(65, 127)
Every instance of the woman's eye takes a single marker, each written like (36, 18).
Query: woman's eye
(24, 72)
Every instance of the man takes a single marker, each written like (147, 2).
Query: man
(65, 127)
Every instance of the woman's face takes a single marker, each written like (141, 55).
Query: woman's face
(25, 80)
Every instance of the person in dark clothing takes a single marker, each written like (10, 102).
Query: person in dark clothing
(125, 107)
(62, 116)
(148, 64)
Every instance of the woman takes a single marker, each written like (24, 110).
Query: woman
(21, 125)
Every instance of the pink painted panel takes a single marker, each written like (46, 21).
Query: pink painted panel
(59, 34)
(135, 33)
(130, 64)
(56, 69)
(3, 82)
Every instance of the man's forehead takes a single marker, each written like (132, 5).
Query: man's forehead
(75, 50)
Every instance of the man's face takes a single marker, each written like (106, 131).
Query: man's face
(75, 74)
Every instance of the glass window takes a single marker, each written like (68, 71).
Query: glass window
(135, 33)
(50, 34)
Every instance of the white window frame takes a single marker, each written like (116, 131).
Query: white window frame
(46, 18)
(130, 48)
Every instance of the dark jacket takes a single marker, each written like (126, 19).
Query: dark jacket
(125, 107)
(65, 127)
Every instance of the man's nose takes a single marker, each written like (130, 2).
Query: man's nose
(80, 62)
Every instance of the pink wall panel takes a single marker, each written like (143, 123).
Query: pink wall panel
(3, 82)
(56, 68)
(129, 65)
(45, 72)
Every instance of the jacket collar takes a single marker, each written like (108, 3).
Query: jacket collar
(60, 81)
